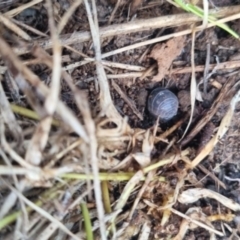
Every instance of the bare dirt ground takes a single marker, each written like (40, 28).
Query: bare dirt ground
(105, 164)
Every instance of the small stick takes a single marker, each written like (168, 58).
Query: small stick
(127, 100)
(137, 26)
(114, 11)
(200, 68)
(13, 27)
(206, 69)
(208, 115)
(21, 8)
(29, 28)
(198, 223)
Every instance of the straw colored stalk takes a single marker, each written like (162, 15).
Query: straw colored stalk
(65, 113)
(136, 26)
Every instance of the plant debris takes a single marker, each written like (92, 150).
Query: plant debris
(81, 157)
(165, 54)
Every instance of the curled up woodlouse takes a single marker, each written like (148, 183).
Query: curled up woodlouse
(162, 103)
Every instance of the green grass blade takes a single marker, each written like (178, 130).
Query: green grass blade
(87, 221)
(200, 13)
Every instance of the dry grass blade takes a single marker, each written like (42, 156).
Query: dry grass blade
(39, 139)
(68, 14)
(196, 222)
(147, 148)
(140, 71)
(13, 27)
(89, 123)
(38, 143)
(107, 105)
(11, 152)
(145, 232)
(141, 25)
(196, 214)
(127, 100)
(144, 157)
(169, 131)
(43, 213)
(193, 88)
(19, 9)
(128, 189)
(205, 77)
(105, 63)
(218, 66)
(193, 195)
(11, 198)
(10, 201)
(91, 130)
(9, 117)
(223, 128)
(166, 37)
(124, 177)
(141, 192)
(206, 118)
(212, 175)
(34, 80)
(52, 98)
(29, 28)
(206, 13)
(16, 171)
(114, 11)
(48, 231)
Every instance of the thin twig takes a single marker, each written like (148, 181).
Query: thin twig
(21, 8)
(68, 15)
(104, 99)
(107, 105)
(140, 25)
(13, 27)
(42, 212)
(218, 66)
(163, 38)
(114, 11)
(127, 100)
(206, 69)
(198, 223)
(66, 114)
(29, 28)
(193, 87)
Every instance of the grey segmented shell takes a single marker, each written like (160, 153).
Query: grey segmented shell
(163, 103)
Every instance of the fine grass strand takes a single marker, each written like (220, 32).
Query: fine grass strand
(193, 87)
(46, 196)
(199, 12)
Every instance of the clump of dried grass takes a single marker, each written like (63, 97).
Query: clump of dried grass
(53, 180)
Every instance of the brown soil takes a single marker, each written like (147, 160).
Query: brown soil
(130, 94)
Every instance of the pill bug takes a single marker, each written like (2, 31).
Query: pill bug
(162, 103)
